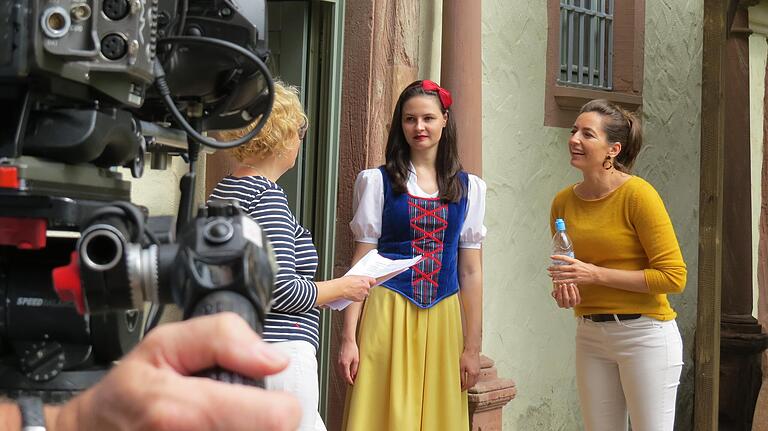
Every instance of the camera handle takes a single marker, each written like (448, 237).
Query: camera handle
(227, 300)
(220, 300)
(187, 184)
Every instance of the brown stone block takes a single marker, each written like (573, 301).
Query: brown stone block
(488, 397)
(760, 421)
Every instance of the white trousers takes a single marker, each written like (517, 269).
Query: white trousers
(629, 367)
(300, 379)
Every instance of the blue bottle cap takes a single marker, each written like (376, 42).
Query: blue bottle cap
(560, 225)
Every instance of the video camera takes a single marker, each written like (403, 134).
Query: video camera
(87, 86)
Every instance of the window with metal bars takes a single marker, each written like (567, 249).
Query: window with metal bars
(583, 38)
(586, 43)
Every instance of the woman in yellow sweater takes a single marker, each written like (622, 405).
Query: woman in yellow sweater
(628, 346)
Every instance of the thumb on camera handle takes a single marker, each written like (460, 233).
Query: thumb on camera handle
(221, 301)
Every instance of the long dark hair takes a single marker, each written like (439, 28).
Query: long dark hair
(398, 153)
(620, 126)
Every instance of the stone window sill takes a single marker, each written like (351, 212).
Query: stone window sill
(572, 98)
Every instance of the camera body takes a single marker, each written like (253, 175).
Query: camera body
(104, 50)
(78, 260)
(76, 48)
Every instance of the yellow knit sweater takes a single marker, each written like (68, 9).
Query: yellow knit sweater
(628, 229)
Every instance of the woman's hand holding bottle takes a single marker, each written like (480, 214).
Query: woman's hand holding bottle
(566, 294)
(565, 291)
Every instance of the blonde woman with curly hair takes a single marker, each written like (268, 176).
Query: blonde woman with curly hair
(293, 322)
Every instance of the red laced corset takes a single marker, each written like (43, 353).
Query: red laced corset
(428, 219)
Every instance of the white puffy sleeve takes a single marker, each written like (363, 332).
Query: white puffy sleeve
(367, 206)
(473, 232)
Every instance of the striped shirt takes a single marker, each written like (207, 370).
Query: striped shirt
(293, 316)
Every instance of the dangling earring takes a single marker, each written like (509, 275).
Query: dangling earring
(608, 163)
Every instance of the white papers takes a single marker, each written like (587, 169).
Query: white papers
(377, 266)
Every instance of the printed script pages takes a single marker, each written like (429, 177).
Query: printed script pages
(377, 266)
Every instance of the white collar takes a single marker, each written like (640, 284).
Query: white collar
(413, 184)
(412, 172)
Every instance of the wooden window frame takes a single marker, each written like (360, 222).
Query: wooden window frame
(562, 103)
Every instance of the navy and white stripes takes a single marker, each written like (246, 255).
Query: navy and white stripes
(293, 315)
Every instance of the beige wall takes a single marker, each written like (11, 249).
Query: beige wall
(758, 50)
(670, 160)
(158, 190)
(525, 164)
(430, 23)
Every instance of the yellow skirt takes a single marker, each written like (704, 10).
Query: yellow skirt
(408, 378)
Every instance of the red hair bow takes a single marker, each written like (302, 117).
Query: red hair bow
(445, 96)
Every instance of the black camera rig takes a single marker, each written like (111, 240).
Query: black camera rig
(87, 86)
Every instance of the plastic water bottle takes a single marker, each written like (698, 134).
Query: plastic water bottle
(561, 244)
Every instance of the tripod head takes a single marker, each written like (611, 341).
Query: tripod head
(87, 86)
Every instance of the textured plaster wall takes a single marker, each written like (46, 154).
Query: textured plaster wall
(670, 159)
(431, 25)
(158, 190)
(758, 50)
(525, 164)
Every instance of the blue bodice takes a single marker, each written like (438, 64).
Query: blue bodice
(430, 227)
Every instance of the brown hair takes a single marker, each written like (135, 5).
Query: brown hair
(398, 153)
(620, 126)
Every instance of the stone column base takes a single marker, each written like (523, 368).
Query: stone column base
(760, 420)
(742, 343)
(488, 397)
